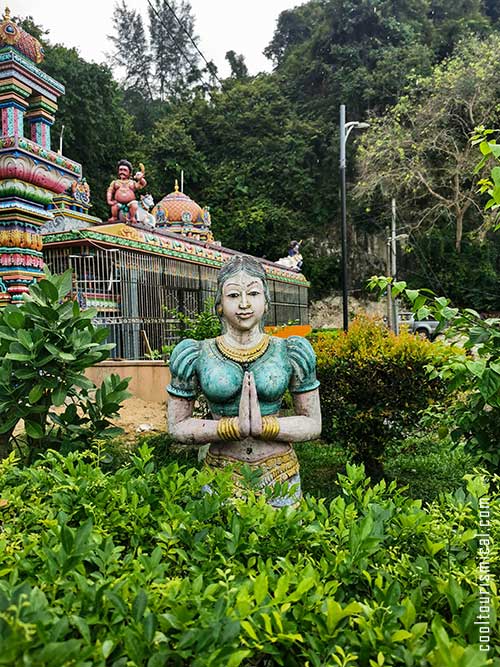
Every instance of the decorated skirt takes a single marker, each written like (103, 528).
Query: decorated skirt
(274, 469)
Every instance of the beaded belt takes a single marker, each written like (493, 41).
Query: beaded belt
(275, 468)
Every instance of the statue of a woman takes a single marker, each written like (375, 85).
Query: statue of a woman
(244, 374)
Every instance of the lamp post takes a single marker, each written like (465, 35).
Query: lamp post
(345, 131)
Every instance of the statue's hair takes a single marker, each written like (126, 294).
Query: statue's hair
(236, 264)
(125, 163)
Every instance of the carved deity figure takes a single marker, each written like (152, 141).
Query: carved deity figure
(244, 374)
(121, 194)
(81, 191)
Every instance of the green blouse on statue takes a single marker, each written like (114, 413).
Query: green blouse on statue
(200, 366)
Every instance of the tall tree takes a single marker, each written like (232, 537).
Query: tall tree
(175, 59)
(131, 52)
(420, 150)
(251, 157)
(239, 70)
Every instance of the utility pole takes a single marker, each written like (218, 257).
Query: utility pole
(343, 223)
(388, 272)
(344, 131)
(395, 314)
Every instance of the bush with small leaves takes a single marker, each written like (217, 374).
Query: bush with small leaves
(141, 567)
(374, 386)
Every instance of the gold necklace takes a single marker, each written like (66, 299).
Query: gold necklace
(245, 355)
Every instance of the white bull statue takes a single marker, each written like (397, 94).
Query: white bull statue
(142, 215)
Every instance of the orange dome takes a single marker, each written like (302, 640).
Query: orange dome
(178, 207)
(12, 35)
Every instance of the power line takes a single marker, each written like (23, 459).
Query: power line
(210, 65)
(179, 49)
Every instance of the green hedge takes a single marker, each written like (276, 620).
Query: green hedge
(374, 386)
(140, 567)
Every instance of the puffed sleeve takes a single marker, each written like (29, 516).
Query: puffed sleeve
(303, 360)
(184, 382)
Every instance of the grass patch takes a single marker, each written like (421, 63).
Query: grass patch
(428, 465)
(320, 464)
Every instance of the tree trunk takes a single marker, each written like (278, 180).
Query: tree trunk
(459, 231)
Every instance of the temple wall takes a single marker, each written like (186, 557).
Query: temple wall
(149, 378)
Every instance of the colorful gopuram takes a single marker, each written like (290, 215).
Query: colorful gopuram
(30, 172)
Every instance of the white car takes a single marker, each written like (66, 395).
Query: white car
(426, 328)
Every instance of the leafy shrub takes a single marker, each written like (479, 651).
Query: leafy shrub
(201, 326)
(88, 418)
(472, 367)
(141, 568)
(373, 386)
(46, 343)
(323, 333)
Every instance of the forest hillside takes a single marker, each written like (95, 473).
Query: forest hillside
(262, 151)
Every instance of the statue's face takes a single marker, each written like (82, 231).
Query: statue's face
(123, 172)
(243, 301)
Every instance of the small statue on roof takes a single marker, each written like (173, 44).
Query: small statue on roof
(294, 259)
(81, 192)
(121, 194)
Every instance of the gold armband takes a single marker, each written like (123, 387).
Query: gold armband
(228, 428)
(270, 428)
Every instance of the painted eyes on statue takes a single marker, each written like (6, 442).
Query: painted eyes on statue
(236, 295)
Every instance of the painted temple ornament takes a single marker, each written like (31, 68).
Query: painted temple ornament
(244, 374)
(121, 194)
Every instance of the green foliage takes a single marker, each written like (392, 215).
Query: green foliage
(364, 53)
(46, 343)
(472, 367)
(141, 567)
(131, 50)
(262, 151)
(239, 70)
(173, 56)
(373, 387)
(471, 277)
(88, 418)
(419, 151)
(323, 270)
(490, 151)
(201, 326)
(320, 464)
(251, 157)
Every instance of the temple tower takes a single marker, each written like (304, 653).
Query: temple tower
(30, 172)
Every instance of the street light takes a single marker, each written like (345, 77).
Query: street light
(345, 131)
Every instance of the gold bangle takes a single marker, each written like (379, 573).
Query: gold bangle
(228, 428)
(234, 428)
(270, 428)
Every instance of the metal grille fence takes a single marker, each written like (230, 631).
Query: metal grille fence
(134, 292)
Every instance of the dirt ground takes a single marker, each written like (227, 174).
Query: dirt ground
(136, 415)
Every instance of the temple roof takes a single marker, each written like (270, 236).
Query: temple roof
(12, 35)
(159, 242)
